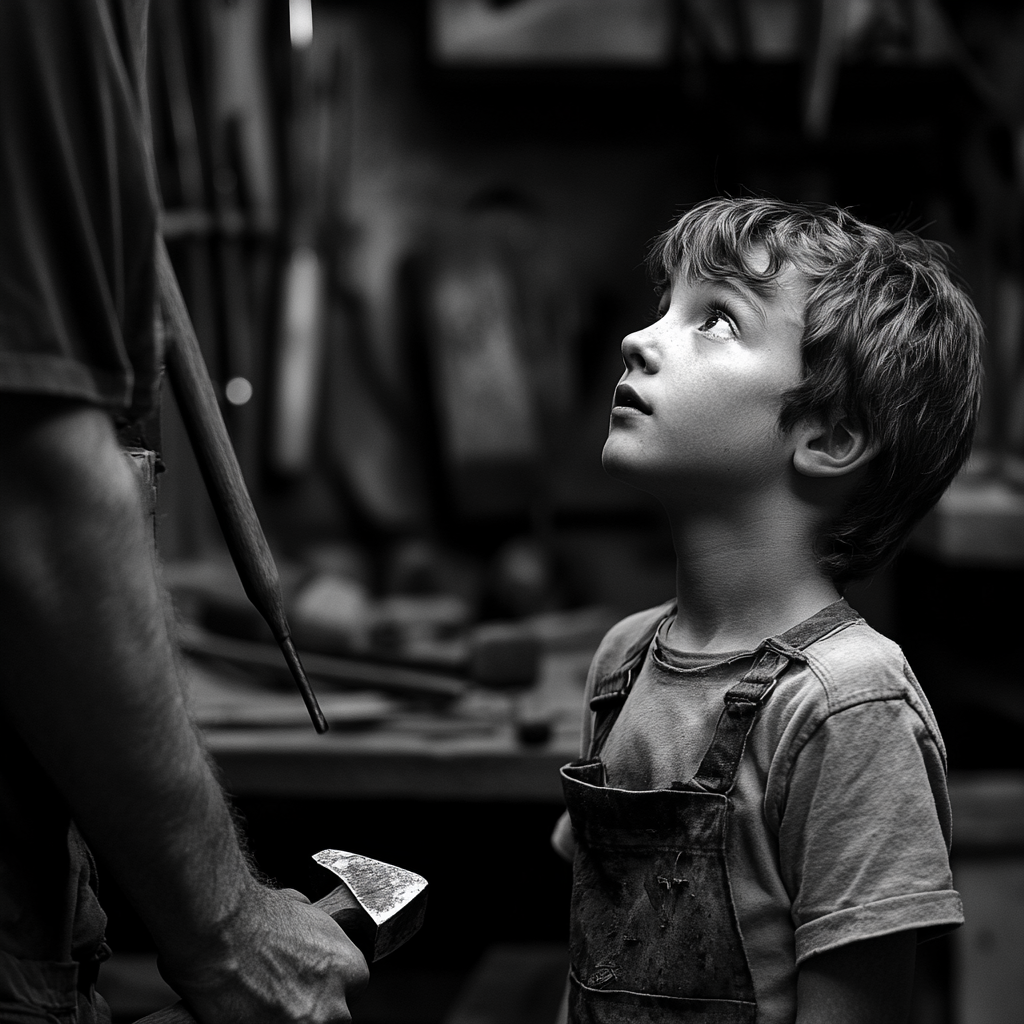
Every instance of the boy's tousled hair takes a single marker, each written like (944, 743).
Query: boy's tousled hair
(890, 342)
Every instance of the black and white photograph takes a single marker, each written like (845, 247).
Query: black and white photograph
(511, 511)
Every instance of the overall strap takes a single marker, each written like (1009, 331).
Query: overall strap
(611, 691)
(606, 706)
(717, 771)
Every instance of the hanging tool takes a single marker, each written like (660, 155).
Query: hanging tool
(312, 138)
(824, 67)
(187, 227)
(224, 482)
(244, 194)
(379, 907)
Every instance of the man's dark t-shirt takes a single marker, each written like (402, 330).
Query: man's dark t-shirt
(78, 222)
(78, 214)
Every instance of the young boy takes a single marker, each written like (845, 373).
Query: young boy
(760, 825)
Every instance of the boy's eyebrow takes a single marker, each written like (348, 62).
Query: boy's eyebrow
(741, 291)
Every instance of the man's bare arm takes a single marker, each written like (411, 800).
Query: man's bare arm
(866, 982)
(91, 684)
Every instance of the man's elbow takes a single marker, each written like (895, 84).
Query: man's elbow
(58, 455)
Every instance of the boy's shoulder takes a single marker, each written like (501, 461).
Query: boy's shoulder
(852, 709)
(633, 629)
(856, 663)
(852, 665)
(849, 667)
(624, 642)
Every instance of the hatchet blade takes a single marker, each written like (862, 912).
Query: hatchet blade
(394, 899)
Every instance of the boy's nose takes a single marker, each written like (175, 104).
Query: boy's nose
(639, 352)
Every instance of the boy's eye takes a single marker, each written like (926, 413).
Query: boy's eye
(664, 293)
(717, 325)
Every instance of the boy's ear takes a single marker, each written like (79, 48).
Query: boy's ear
(831, 450)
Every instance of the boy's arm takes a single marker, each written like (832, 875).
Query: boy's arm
(563, 842)
(867, 982)
(862, 851)
(91, 684)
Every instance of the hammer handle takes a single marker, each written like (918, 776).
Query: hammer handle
(340, 904)
(224, 481)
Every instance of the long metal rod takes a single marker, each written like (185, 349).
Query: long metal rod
(224, 481)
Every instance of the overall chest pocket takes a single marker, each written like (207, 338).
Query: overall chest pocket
(654, 935)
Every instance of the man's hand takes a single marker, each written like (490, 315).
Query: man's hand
(867, 982)
(91, 684)
(280, 959)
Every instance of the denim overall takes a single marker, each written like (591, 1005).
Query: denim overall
(654, 935)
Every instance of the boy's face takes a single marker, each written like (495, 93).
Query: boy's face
(699, 401)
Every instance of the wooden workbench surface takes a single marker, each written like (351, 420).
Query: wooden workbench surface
(379, 747)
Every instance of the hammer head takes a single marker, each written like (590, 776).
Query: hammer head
(388, 903)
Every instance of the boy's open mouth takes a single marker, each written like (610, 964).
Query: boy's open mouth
(626, 397)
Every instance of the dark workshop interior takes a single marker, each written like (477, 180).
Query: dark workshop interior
(411, 236)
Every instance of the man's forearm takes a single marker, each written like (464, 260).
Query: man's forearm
(90, 678)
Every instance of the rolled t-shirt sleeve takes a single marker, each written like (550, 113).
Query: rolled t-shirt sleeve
(861, 842)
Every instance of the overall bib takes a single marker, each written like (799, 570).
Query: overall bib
(654, 935)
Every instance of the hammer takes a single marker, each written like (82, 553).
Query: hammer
(379, 907)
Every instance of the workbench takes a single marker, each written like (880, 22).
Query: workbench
(472, 751)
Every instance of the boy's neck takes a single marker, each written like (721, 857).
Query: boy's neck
(742, 578)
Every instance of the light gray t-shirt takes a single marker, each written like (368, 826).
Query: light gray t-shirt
(841, 820)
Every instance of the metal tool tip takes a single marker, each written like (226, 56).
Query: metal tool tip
(291, 655)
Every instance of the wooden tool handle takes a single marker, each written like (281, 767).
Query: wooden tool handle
(219, 465)
(173, 1014)
(340, 904)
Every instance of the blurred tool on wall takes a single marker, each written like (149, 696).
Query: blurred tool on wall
(491, 324)
(317, 136)
(469, 339)
(214, 137)
(988, 45)
(336, 410)
(245, 193)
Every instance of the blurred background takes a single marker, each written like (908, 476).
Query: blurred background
(411, 237)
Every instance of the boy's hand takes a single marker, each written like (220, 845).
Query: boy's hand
(563, 842)
(280, 959)
(866, 982)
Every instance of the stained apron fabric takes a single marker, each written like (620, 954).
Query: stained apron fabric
(654, 934)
